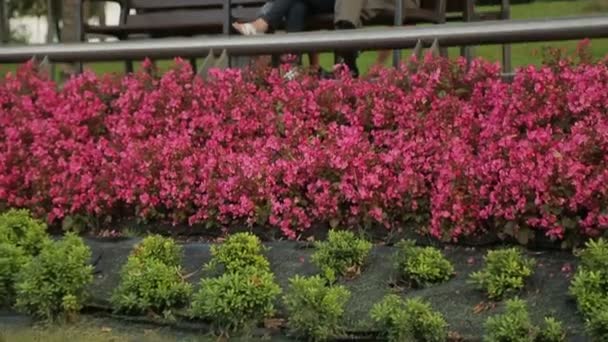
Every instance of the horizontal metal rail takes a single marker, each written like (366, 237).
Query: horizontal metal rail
(476, 33)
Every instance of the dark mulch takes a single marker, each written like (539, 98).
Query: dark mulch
(464, 307)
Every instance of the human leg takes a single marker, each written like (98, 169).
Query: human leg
(322, 6)
(347, 16)
(271, 18)
(296, 16)
(382, 57)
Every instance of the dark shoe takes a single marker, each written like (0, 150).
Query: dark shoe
(348, 58)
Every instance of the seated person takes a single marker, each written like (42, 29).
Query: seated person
(293, 12)
(350, 14)
(313, 57)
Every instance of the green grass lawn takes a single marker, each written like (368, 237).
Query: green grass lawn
(523, 54)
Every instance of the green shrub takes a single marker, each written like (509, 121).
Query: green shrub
(553, 331)
(150, 285)
(17, 227)
(343, 254)
(236, 300)
(514, 325)
(58, 276)
(238, 252)
(595, 255)
(314, 307)
(505, 273)
(422, 266)
(590, 288)
(157, 247)
(408, 320)
(391, 319)
(597, 324)
(151, 280)
(12, 259)
(21, 237)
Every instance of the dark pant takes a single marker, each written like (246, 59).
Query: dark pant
(296, 12)
(348, 58)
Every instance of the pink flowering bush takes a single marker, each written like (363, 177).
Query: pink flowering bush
(452, 150)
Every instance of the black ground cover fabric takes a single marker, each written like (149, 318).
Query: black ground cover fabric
(460, 302)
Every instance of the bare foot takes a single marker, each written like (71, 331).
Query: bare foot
(259, 26)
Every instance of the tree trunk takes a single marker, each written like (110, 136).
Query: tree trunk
(4, 26)
(69, 33)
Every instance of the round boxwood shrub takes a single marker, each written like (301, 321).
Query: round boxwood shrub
(505, 272)
(315, 308)
(150, 285)
(151, 280)
(55, 281)
(21, 237)
(408, 320)
(590, 288)
(19, 228)
(422, 266)
(595, 255)
(12, 259)
(160, 248)
(515, 325)
(597, 324)
(238, 252)
(342, 254)
(236, 301)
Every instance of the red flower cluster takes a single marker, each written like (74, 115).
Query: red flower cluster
(437, 145)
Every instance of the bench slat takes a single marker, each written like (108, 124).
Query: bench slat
(186, 22)
(188, 4)
(164, 18)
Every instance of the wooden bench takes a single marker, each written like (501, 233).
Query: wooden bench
(169, 18)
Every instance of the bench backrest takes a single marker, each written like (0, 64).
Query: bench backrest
(167, 5)
(186, 17)
(455, 5)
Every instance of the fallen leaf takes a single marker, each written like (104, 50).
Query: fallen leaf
(274, 323)
(483, 306)
(454, 336)
(352, 272)
(189, 275)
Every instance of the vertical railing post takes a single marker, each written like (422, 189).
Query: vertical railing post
(50, 18)
(468, 16)
(228, 23)
(398, 22)
(505, 11)
(5, 31)
(51, 31)
(227, 18)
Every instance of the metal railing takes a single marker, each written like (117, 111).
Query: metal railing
(476, 33)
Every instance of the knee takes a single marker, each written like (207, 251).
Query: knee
(298, 9)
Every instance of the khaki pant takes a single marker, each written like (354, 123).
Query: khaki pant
(356, 11)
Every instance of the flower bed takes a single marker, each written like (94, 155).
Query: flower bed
(456, 151)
